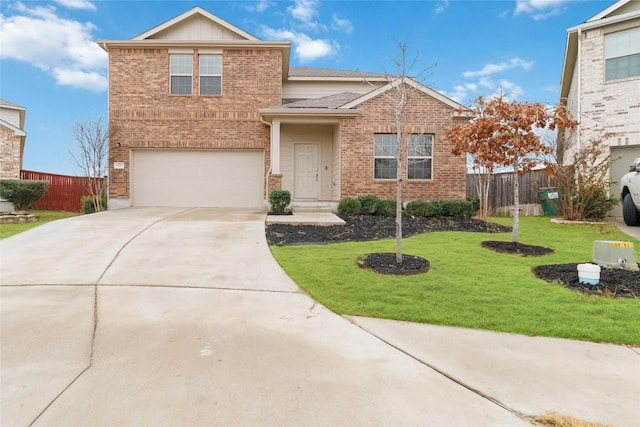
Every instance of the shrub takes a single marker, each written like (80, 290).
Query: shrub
(422, 209)
(22, 193)
(349, 205)
(89, 205)
(368, 204)
(475, 204)
(438, 208)
(279, 200)
(457, 208)
(386, 207)
(598, 205)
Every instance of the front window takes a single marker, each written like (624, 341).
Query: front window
(385, 152)
(622, 54)
(181, 74)
(210, 74)
(420, 156)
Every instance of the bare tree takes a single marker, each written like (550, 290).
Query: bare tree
(91, 143)
(403, 87)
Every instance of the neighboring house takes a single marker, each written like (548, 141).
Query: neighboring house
(202, 113)
(601, 86)
(12, 139)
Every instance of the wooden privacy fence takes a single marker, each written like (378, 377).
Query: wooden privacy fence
(64, 192)
(501, 190)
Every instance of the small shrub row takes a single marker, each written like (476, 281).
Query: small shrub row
(439, 208)
(367, 205)
(371, 205)
(22, 193)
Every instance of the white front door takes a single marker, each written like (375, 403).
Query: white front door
(306, 171)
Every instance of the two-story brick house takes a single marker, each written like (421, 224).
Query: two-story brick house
(601, 85)
(202, 113)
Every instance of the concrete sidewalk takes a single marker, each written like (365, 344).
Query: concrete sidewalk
(182, 317)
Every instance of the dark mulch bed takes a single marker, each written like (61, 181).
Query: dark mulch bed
(613, 282)
(385, 263)
(359, 228)
(517, 248)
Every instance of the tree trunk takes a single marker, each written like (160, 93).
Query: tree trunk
(516, 205)
(399, 211)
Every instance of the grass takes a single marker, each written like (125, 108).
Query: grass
(469, 286)
(8, 230)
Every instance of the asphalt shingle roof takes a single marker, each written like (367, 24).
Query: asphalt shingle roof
(327, 72)
(331, 101)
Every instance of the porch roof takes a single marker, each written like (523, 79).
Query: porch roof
(326, 106)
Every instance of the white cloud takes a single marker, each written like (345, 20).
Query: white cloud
(341, 24)
(304, 10)
(76, 4)
(306, 49)
(497, 68)
(62, 47)
(442, 6)
(261, 6)
(539, 9)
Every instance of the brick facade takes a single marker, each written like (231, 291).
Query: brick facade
(10, 158)
(424, 115)
(609, 110)
(142, 113)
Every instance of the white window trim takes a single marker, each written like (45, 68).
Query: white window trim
(171, 74)
(200, 74)
(376, 157)
(421, 157)
(608, 56)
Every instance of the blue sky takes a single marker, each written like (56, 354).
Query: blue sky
(51, 65)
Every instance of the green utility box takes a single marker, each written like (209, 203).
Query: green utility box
(550, 200)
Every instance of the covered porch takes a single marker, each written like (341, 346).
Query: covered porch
(305, 152)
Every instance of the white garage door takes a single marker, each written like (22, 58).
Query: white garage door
(197, 178)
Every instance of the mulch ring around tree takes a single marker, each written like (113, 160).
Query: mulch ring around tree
(614, 282)
(385, 263)
(516, 248)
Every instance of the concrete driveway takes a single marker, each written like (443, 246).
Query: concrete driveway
(182, 317)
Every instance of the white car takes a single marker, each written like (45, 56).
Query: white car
(630, 196)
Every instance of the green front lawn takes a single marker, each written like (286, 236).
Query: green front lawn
(470, 286)
(7, 230)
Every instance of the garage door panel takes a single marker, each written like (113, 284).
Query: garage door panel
(197, 178)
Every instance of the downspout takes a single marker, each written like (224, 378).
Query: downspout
(579, 106)
(266, 178)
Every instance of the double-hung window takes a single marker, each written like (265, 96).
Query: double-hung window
(181, 74)
(622, 54)
(210, 74)
(385, 152)
(420, 156)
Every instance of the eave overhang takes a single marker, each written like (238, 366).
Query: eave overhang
(314, 114)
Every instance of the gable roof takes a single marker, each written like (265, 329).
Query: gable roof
(458, 109)
(183, 18)
(346, 103)
(620, 11)
(5, 103)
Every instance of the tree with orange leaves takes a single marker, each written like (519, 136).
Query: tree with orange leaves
(502, 134)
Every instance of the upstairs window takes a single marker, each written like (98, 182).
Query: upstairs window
(622, 54)
(385, 151)
(420, 156)
(181, 74)
(210, 74)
